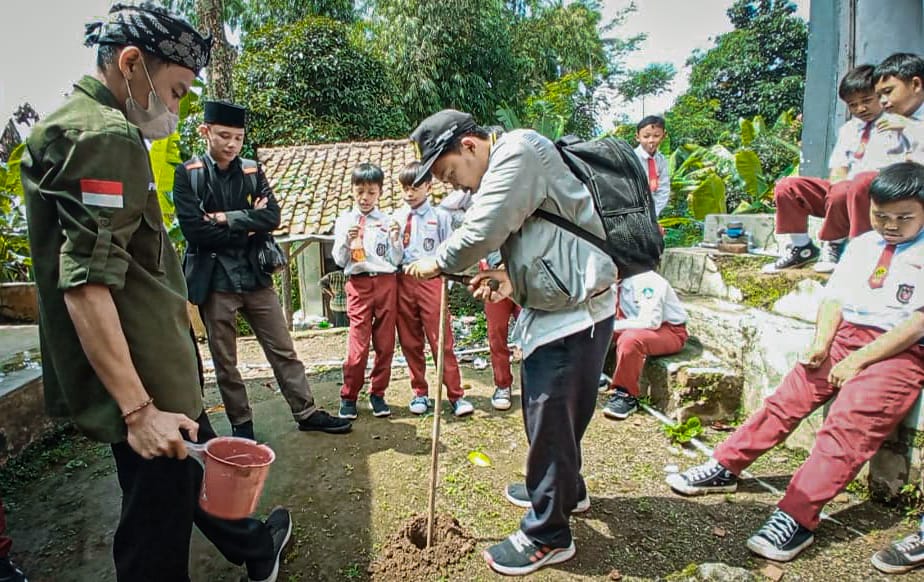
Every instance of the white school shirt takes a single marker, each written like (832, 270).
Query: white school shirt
(456, 203)
(647, 300)
(662, 195)
(382, 254)
(902, 291)
(913, 137)
(884, 148)
(429, 227)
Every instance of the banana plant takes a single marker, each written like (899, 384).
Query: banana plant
(165, 156)
(15, 257)
(706, 174)
(696, 172)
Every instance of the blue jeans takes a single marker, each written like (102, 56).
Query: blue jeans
(559, 399)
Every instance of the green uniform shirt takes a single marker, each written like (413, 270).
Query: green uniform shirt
(93, 217)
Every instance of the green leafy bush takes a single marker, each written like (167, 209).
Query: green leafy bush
(310, 82)
(15, 256)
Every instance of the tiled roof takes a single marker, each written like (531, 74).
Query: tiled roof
(312, 183)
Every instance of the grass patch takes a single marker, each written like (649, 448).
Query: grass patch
(63, 448)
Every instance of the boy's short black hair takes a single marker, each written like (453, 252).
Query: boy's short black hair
(655, 120)
(857, 81)
(408, 175)
(367, 173)
(455, 146)
(904, 66)
(901, 181)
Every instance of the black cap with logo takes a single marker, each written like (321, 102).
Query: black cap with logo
(435, 133)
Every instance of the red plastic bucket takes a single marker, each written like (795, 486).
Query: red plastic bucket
(235, 470)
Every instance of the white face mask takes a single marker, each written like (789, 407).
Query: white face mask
(155, 122)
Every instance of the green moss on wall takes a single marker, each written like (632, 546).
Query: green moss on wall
(760, 289)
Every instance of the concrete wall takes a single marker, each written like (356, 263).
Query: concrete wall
(22, 412)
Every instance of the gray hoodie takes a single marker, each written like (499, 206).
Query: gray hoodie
(562, 282)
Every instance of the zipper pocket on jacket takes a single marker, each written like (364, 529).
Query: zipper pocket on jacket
(558, 282)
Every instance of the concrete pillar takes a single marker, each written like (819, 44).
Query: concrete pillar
(309, 272)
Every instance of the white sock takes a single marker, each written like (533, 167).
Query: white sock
(799, 239)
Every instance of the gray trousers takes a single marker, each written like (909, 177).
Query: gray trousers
(559, 399)
(264, 314)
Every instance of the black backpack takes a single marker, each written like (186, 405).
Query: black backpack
(619, 187)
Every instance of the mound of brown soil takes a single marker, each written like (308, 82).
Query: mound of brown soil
(405, 555)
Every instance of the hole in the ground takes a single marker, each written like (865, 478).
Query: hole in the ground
(417, 534)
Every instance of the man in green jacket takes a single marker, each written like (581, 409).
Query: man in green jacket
(117, 355)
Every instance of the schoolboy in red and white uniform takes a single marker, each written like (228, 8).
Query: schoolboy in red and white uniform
(650, 321)
(367, 247)
(867, 359)
(422, 228)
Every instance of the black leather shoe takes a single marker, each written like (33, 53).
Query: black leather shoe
(324, 422)
(243, 430)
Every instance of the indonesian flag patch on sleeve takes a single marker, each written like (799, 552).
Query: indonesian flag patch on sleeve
(101, 193)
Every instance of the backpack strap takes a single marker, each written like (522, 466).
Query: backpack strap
(576, 230)
(249, 168)
(196, 170)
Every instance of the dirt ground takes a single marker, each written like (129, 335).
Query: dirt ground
(351, 494)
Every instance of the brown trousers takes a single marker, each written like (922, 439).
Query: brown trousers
(264, 314)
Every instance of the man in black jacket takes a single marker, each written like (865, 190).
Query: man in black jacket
(226, 209)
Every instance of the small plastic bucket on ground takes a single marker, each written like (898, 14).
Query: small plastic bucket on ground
(234, 471)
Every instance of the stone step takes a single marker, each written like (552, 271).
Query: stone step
(693, 382)
(761, 347)
(22, 400)
(738, 279)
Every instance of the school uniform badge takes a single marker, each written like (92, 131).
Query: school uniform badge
(648, 292)
(380, 249)
(904, 293)
(428, 244)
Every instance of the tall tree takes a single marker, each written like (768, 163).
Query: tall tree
(246, 16)
(311, 82)
(454, 53)
(221, 64)
(651, 81)
(759, 67)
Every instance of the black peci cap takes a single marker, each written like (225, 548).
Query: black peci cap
(224, 113)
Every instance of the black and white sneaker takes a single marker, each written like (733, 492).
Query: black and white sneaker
(829, 257)
(793, 258)
(518, 555)
(279, 523)
(781, 538)
(9, 572)
(902, 556)
(603, 384)
(710, 477)
(620, 405)
(517, 494)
